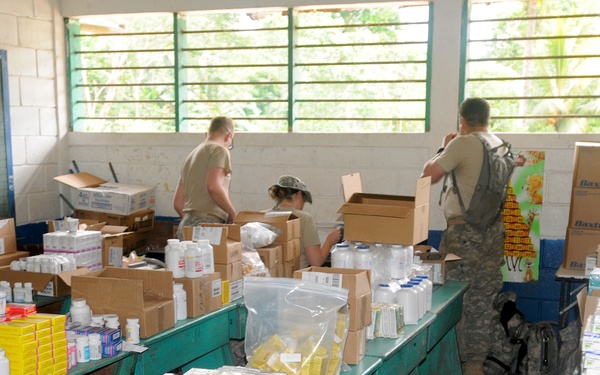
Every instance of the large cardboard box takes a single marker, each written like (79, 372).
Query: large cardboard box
(230, 271)
(203, 294)
(579, 244)
(224, 238)
(391, 219)
(291, 249)
(141, 221)
(436, 260)
(585, 171)
(356, 346)
(129, 293)
(6, 259)
(95, 194)
(585, 205)
(271, 256)
(358, 284)
(8, 237)
(45, 284)
(284, 220)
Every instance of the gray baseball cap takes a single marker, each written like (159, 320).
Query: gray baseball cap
(287, 181)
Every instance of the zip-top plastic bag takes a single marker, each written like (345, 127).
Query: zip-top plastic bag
(295, 326)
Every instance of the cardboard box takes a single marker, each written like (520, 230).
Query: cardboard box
(141, 221)
(391, 219)
(585, 171)
(437, 260)
(585, 204)
(277, 271)
(358, 284)
(356, 346)
(203, 294)
(291, 249)
(224, 238)
(6, 259)
(271, 256)
(45, 284)
(129, 293)
(579, 243)
(236, 290)
(95, 194)
(284, 220)
(8, 237)
(289, 267)
(230, 271)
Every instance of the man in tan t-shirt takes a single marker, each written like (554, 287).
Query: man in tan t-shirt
(202, 194)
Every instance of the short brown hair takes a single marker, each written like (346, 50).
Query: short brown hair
(476, 111)
(221, 124)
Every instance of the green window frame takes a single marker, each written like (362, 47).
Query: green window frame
(351, 69)
(536, 62)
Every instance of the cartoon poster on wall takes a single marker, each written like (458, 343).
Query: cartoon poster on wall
(521, 218)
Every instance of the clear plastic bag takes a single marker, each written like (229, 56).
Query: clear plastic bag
(252, 265)
(295, 326)
(256, 235)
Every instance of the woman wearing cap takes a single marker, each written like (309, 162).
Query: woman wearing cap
(290, 193)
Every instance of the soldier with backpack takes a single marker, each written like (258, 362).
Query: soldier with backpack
(477, 166)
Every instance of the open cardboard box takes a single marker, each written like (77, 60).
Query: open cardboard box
(93, 193)
(224, 238)
(391, 219)
(284, 220)
(129, 293)
(437, 260)
(141, 221)
(46, 284)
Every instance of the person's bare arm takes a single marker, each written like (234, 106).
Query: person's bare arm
(214, 185)
(432, 168)
(317, 255)
(179, 200)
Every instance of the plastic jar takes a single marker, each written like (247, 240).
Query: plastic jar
(28, 288)
(175, 258)
(71, 350)
(363, 258)
(80, 312)
(398, 263)
(97, 320)
(95, 346)
(194, 266)
(208, 257)
(409, 260)
(342, 257)
(2, 302)
(422, 296)
(5, 286)
(132, 330)
(180, 301)
(429, 285)
(19, 293)
(112, 321)
(408, 298)
(384, 294)
(82, 344)
(4, 363)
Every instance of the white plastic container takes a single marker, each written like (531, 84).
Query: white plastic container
(425, 281)
(4, 363)
(2, 303)
(5, 286)
(363, 257)
(175, 258)
(97, 320)
(132, 330)
(208, 257)
(194, 265)
(398, 262)
(180, 301)
(409, 260)
(80, 312)
(384, 294)
(422, 296)
(112, 321)
(95, 346)
(82, 344)
(28, 288)
(408, 298)
(19, 293)
(71, 349)
(342, 257)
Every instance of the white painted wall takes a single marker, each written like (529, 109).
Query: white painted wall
(389, 163)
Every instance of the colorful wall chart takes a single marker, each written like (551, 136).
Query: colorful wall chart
(521, 218)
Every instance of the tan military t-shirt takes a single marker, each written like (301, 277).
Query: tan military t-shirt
(308, 227)
(464, 155)
(194, 172)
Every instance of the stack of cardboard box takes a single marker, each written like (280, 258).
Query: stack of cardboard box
(583, 231)
(289, 240)
(8, 243)
(227, 250)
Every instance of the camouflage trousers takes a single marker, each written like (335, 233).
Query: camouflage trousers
(482, 254)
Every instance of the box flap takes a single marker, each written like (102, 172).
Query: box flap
(80, 180)
(264, 217)
(114, 229)
(581, 299)
(66, 276)
(378, 205)
(423, 191)
(351, 184)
